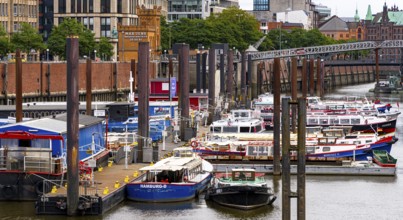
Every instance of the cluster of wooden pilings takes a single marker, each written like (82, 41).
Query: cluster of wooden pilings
(321, 76)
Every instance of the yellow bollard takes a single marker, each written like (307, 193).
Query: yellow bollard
(136, 174)
(65, 185)
(117, 184)
(106, 190)
(110, 163)
(151, 164)
(54, 189)
(126, 179)
(100, 169)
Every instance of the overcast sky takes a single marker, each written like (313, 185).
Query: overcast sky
(344, 8)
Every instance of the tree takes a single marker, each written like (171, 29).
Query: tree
(233, 26)
(236, 27)
(70, 27)
(4, 42)
(27, 38)
(105, 48)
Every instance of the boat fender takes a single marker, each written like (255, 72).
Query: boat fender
(9, 191)
(42, 187)
(194, 144)
(366, 121)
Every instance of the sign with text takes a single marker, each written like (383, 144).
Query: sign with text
(172, 87)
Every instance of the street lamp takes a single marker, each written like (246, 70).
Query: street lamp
(47, 54)
(165, 54)
(95, 55)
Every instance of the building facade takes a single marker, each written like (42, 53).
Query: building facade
(15, 12)
(148, 30)
(385, 25)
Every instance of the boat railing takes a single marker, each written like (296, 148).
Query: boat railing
(3, 159)
(86, 187)
(38, 164)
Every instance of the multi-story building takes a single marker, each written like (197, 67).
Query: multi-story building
(385, 25)
(269, 10)
(200, 9)
(15, 12)
(100, 16)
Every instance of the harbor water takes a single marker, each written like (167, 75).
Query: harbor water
(327, 197)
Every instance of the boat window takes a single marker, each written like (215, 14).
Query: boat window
(355, 121)
(344, 121)
(323, 121)
(310, 150)
(244, 129)
(312, 121)
(230, 129)
(368, 141)
(258, 128)
(215, 129)
(24, 143)
(326, 149)
(334, 121)
(357, 142)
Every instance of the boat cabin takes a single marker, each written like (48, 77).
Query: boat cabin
(183, 166)
(243, 174)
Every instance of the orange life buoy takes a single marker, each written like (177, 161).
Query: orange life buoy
(194, 144)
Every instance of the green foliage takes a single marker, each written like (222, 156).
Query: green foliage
(4, 42)
(105, 48)
(233, 26)
(27, 38)
(71, 27)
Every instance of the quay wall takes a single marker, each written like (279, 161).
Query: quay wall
(46, 81)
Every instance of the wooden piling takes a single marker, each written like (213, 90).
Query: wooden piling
(286, 167)
(18, 87)
(88, 76)
(72, 55)
(184, 88)
(211, 85)
(294, 92)
(143, 97)
(304, 80)
(311, 77)
(301, 158)
(276, 117)
(230, 79)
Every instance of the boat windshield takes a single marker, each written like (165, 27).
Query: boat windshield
(243, 175)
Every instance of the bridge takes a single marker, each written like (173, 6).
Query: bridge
(335, 48)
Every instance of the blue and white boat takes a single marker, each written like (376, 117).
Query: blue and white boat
(178, 178)
(33, 153)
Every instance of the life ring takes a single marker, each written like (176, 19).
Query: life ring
(194, 144)
(42, 187)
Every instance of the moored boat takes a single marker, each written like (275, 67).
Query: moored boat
(383, 158)
(178, 178)
(242, 189)
(33, 154)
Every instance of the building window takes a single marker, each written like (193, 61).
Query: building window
(119, 6)
(105, 6)
(91, 6)
(73, 6)
(85, 6)
(62, 6)
(79, 3)
(106, 27)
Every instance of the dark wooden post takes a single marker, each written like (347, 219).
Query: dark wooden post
(72, 55)
(143, 96)
(88, 81)
(276, 117)
(18, 87)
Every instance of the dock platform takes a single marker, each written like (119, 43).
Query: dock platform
(356, 168)
(97, 197)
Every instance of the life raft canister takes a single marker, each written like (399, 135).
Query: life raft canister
(194, 144)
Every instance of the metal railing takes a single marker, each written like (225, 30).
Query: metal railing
(44, 164)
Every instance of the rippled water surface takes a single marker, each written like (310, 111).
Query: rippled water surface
(327, 197)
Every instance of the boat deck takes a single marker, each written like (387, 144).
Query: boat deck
(107, 178)
(108, 190)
